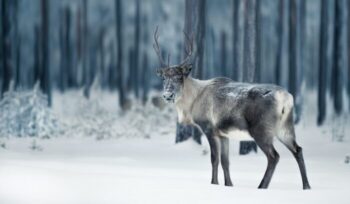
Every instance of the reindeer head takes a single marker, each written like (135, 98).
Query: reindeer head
(173, 76)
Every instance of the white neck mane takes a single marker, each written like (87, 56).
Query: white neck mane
(191, 89)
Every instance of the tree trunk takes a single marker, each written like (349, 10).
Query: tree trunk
(200, 38)
(223, 55)
(17, 44)
(62, 78)
(78, 44)
(18, 61)
(136, 79)
(280, 34)
(236, 75)
(85, 51)
(302, 43)
(145, 78)
(45, 82)
(322, 74)
(37, 61)
(112, 71)
(120, 45)
(102, 68)
(249, 41)
(68, 75)
(258, 37)
(130, 84)
(292, 47)
(294, 56)
(337, 86)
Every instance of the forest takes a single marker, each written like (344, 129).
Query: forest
(74, 70)
(301, 45)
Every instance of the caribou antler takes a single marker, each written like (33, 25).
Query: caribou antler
(157, 49)
(188, 49)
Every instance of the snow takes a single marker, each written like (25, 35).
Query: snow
(78, 169)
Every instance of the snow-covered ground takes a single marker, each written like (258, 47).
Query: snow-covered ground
(152, 169)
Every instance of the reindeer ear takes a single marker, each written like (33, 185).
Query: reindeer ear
(186, 69)
(159, 72)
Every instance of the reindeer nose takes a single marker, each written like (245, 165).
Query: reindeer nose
(168, 96)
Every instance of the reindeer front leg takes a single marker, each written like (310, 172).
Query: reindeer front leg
(214, 143)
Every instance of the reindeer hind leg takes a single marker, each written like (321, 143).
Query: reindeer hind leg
(288, 139)
(265, 142)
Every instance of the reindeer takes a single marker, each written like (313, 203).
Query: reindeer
(220, 108)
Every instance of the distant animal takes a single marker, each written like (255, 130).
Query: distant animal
(220, 108)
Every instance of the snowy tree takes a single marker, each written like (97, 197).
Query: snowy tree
(27, 114)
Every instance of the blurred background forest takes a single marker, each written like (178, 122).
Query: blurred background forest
(302, 45)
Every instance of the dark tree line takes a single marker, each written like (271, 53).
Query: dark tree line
(11, 48)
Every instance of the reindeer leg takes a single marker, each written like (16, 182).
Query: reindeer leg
(264, 139)
(214, 155)
(272, 160)
(225, 163)
(298, 154)
(289, 141)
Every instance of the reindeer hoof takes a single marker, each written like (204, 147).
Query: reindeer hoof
(215, 182)
(262, 187)
(228, 184)
(306, 187)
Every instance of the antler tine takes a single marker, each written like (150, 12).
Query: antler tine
(188, 48)
(157, 48)
(189, 43)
